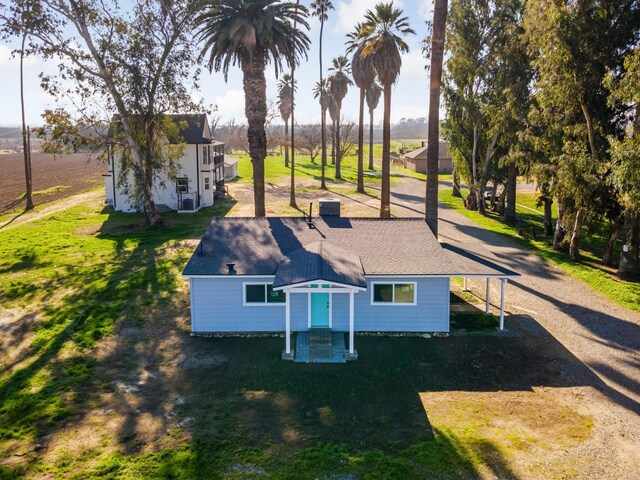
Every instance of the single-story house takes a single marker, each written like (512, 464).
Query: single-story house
(197, 181)
(296, 274)
(230, 167)
(416, 160)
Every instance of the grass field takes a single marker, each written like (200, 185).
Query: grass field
(589, 270)
(100, 378)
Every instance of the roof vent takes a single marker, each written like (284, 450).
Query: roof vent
(329, 207)
(232, 269)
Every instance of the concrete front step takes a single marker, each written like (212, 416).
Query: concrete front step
(320, 346)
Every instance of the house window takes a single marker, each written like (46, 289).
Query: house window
(207, 183)
(206, 158)
(262, 294)
(393, 294)
(182, 185)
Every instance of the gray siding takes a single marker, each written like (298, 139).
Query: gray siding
(217, 307)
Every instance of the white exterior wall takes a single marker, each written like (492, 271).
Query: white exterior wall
(164, 190)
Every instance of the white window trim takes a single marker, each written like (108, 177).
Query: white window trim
(259, 304)
(393, 303)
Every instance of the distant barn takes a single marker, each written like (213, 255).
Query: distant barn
(417, 159)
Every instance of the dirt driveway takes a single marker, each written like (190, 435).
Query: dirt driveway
(544, 301)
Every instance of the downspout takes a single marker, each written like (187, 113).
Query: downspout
(197, 177)
(113, 175)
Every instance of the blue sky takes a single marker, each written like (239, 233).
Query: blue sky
(410, 94)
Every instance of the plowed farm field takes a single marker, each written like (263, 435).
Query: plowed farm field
(54, 177)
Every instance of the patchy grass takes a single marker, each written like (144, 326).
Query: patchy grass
(493, 426)
(102, 370)
(623, 292)
(47, 191)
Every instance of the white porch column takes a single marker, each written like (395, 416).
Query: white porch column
(351, 322)
(502, 289)
(487, 294)
(288, 323)
(464, 288)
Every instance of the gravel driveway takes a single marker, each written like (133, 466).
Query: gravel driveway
(599, 334)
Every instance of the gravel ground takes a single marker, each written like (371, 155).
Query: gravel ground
(603, 377)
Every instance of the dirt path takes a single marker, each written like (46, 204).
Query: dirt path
(22, 217)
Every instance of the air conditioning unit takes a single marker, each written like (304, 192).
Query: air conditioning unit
(329, 207)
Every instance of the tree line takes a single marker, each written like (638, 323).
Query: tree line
(550, 90)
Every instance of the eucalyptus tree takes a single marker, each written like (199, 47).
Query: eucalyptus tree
(134, 64)
(625, 153)
(373, 97)
(285, 105)
(439, 26)
(320, 9)
(385, 27)
(338, 86)
(363, 75)
(250, 34)
(574, 45)
(321, 92)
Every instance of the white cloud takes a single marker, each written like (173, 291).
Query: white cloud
(231, 104)
(352, 12)
(413, 64)
(9, 62)
(425, 9)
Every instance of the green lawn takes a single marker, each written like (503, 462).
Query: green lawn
(99, 356)
(625, 293)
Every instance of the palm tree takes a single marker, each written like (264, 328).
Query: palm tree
(251, 33)
(385, 26)
(373, 97)
(433, 140)
(285, 105)
(338, 86)
(321, 91)
(334, 119)
(363, 75)
(320, 9)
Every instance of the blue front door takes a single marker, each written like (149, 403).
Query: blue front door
(320, 309)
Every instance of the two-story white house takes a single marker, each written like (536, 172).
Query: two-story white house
(200, 172)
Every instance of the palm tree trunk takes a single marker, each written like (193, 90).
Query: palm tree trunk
(433, 138)
(333, 142)
(323, 115)
(255, 88)
(26, 149)
(360, 187)
(338, 146)
(292, 190)
(323, 158)
(371, 139)
(385, 188)
(286, 143)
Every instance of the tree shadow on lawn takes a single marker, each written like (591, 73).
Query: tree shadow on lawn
(252, 398)
(65, 374)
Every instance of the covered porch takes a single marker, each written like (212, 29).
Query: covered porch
(320, 271)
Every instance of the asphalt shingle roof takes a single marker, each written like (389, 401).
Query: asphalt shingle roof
(320, 261)
(191, 126)
(257, 246)
(474, 259)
